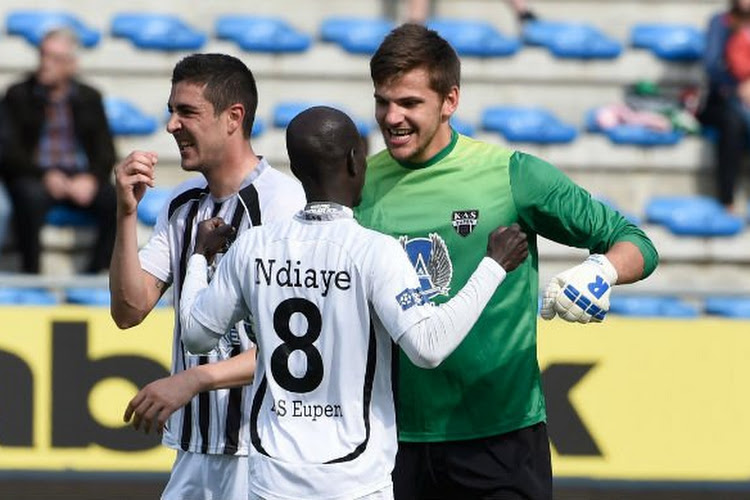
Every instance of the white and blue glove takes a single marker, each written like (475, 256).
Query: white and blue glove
(581, 294)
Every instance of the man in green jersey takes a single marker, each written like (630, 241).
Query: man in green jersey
(475, 426)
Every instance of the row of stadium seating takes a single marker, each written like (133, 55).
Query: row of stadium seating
(359, 35)
(622, 305)
(517, 124)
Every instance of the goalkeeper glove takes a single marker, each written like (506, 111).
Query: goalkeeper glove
(581, 294)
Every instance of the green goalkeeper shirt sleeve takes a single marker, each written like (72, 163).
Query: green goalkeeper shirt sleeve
(553, 206)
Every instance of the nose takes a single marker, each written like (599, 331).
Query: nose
(392, 114)
(173, 124)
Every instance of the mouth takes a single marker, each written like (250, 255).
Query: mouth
(399, 136)
(184, 145)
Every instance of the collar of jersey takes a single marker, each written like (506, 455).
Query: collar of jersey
(326, 210)
(259, 168)
(441, 154)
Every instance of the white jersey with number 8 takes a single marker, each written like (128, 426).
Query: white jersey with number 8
(326, 299)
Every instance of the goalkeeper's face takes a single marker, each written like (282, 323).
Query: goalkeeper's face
(413, 117)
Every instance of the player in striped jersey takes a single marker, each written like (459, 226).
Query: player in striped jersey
(212, 107)
(327, 298)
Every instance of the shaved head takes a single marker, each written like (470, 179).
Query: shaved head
(318, 139)
(326, 152)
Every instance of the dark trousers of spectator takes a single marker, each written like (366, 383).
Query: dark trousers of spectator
(31, 202)
(720, 112)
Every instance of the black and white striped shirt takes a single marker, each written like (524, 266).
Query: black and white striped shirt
(214, 422)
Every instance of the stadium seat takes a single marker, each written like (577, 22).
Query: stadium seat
(354, 34)
(67, 215)
(475, 38)
(87, 296)
(151, 204)
(283, 113)
(671, 42)
(520, 124)
(262, 34)
(33, 24)
(126, 119)
(463, 127)
(635, 135)
(692, 216)
(729, 307)
(26, 296)
(571, 40)
(651, 306)
(157, 31)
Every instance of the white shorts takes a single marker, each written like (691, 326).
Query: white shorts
(207, 477)
(382, 494)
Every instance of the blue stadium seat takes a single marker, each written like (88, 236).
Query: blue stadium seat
(157, 31)
(635, 135)
(692, 216)
(67, 215)
(520, 124)
(475, 38)
(729, 307)
(671, 42)
(259, 127)
(356, 35)
(651, 306)
(283, 113)
(262, 34)
(126, 119)
(87, 296)
(463, 127)
(26, 296)
(571, 40)
(151, 204)
(33, 24)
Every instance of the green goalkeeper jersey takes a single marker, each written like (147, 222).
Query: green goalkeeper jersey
(442, 211)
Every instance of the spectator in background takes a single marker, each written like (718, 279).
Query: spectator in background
(418, 11)
(59, 150)
(721, 109)
(4, 198)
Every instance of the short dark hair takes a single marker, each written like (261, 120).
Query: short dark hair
(412, 46)
(227, 81)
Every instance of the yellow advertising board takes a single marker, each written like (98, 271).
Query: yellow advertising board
(66, 375)
(630, 399)
(648, 399)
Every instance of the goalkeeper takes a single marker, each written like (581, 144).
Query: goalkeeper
(475, 426)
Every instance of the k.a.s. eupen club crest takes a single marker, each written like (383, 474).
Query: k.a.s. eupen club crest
(431, 260)
(464, 221)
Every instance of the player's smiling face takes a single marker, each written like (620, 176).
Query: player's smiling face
(195, 126)
(413, 117)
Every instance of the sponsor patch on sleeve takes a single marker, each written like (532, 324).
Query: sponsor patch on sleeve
(410, 297)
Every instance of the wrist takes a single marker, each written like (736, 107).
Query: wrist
(607, 269)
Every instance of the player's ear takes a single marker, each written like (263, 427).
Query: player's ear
(351, 162)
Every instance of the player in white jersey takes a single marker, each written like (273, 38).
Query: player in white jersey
(327, 298)
(212, 105)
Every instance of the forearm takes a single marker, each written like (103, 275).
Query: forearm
(433, 339)
(627, 259)
(196, 337)
(129, 286)
(233, 372)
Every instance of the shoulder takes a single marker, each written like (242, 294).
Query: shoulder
(278, 187)
(20, 88)
(87, 92)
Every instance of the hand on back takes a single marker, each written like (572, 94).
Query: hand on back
(508, 246)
